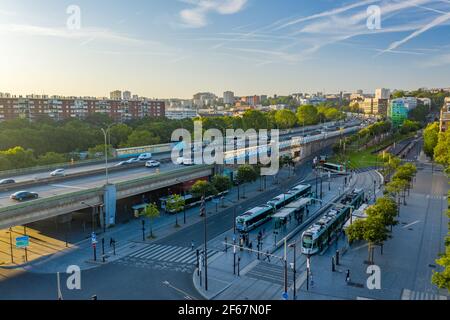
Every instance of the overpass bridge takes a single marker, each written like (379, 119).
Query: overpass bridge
(90, 191)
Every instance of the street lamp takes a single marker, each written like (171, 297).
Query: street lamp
(293, 245)
(106, 134)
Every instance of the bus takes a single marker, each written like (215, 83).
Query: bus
(253, 218)
(301, 190)
(334, 168)
(320, 234)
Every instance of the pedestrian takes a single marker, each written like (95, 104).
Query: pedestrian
(268, 255)
(250, 246)
(111, 242)
(347, 278)
(192, 245)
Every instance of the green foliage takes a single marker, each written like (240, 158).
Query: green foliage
(16, 158)
(221, 183)
(151, 212)
(285, 119)
(442, 149)
(307, 115)
(409, 126)
(175, 203)
(254, 119)
(246, 173)
(51, 158)
(355, 231)
(99, 151)
(442, 279)
(203, 188)
(430, 138)
(141, 138)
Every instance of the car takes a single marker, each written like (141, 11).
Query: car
(24, 195)
(145, 156)
(132, 160)
(121, 163)
(7, 181)
(58, 173)
(152, 164)
(188, 162)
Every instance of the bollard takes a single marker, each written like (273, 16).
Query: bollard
(333, 266)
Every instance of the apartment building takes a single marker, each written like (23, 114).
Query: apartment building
(444, 120)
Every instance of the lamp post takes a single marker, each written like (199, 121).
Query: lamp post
(106, 134)
(293, 245)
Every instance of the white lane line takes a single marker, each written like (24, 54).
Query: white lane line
(68, 187)
(174, 254)
(170, 249)
(144, 250)
(410, 224)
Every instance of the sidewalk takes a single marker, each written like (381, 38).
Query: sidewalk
(128, 236)
(221, 269)
(406, 262)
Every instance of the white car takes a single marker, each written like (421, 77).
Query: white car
(152, 164)
(58, 173)
(132, 160)
(188, 162)
(145, 156)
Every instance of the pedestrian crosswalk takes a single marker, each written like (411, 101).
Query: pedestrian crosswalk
(175, 254)
(417, 295)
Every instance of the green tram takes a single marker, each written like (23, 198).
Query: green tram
(318, 235)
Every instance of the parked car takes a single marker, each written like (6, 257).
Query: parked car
(24, 195)
(132, 160)
(152, 164)
(7, 181)
(58, 173)
(145, 156)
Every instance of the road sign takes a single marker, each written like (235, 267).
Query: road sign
(285, 295)
(93, 238)
(22, 242)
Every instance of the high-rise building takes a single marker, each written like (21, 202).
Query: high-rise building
(382, 93)
(444, 121)
(126, 95)
(228, 97)
(116, 95)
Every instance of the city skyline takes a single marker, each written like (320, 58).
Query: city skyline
(173, 49)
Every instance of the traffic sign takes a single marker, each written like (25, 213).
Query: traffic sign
(285, 296)
(22, 242)
(93, 238)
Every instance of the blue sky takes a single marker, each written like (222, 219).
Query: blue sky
(175, 48)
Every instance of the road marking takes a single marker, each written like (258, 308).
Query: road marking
(68, 187)
(412, 223)
(186, 295)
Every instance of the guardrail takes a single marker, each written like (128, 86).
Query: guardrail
(38, 202)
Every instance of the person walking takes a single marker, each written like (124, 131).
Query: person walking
(347, 277)
(192, 245)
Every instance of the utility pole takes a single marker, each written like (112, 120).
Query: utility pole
(293, 245)
(285, 266)
(206, 243)
(11, 245)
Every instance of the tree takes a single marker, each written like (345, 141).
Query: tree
(254, 119)
(394, 188)
(18, 158)
(119, 134)
(51, 158)
(141, 138)
(430, 139)
(99, 151)
(442, 279)
(375, 233)
(442, 149)
(203, 188)
(307, 115)
(285, 119)
(151, 211)
(246, 173)
(386, 208)
(355, 231)
(175, 204)
(221, 183)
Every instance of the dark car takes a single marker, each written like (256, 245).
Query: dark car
(7, 181)
(24, 195)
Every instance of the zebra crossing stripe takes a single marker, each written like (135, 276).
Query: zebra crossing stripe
(173, 254)
(146, 251)
(185, 256)
(169, 250)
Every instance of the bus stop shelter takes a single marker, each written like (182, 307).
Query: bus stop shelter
(300, 206)
(283, 217)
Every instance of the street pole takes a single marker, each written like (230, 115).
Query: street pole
(11, 245)
(206, 255)
(105, 134)
(285, 266)
(234, 259)
(294, 246)
(234, 220)
(143, 230)
(26, 250)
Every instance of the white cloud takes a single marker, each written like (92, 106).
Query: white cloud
(197, 17)
(87, 34)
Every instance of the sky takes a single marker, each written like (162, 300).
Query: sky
(175, 48)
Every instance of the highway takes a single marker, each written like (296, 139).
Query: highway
(92, 167)
(74, 184)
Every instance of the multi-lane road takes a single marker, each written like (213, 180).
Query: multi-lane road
(70, 185)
